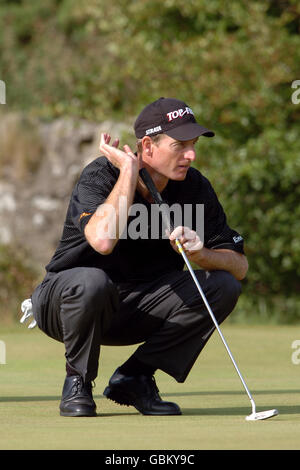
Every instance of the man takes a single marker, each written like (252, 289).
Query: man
(105, 288)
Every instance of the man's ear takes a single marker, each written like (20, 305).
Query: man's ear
(147, 146)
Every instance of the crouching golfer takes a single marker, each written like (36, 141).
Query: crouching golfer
(104, 288)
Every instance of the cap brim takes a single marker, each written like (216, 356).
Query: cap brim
(189, 131)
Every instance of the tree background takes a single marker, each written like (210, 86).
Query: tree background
(233, 62)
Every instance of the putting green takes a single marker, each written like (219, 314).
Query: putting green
(213, 401)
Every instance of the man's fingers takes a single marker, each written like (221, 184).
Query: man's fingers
(194, 245)
(184, 233)
(104, 139)
(128, 150)
(188, 239)
(177, 232)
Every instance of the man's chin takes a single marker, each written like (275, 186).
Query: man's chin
(179, 176)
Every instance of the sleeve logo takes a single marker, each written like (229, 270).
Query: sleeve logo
(84, 214)
(237, 239)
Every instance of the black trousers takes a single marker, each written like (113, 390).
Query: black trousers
(84, 309)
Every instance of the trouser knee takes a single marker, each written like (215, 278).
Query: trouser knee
(87, 312)
(228, 290)
(94, 286)
(95, 295)
(231, 287)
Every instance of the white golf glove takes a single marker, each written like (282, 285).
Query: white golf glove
(188, 238)
(26, 308)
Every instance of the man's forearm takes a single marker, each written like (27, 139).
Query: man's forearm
(221, 259)
(107, 224)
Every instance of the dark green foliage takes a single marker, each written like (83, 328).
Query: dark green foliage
(232, 62)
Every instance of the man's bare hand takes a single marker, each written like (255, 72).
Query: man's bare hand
(119, 158)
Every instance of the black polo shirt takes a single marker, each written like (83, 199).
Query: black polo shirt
(140, 258)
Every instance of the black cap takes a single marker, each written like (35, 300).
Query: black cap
(169, 116)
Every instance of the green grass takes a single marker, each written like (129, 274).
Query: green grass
(212, 399)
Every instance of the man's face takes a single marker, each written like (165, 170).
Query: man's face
(171, 158)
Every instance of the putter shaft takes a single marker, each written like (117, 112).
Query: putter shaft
(159, 201)
(181, 251)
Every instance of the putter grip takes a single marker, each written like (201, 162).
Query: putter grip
(157, 198)
(151, 186)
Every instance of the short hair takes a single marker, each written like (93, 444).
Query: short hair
(155, 139)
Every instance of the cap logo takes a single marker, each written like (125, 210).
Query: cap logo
(179, 113)
(153, 129)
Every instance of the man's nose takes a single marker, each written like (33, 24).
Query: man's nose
(190, 154)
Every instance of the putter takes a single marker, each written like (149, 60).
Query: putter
(254, 416)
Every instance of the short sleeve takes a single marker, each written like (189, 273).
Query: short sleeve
(218, 234)
(92, 190)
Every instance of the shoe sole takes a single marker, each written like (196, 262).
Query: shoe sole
(123, 399)
(77, 415)
(117, 397)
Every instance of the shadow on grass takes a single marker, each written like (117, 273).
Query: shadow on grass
(230, 392)
(32, 398)
(237, 411)
(226, 411)
(173, 394)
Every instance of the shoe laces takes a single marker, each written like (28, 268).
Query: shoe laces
(77, 385)
(154, 389)
(80, 386)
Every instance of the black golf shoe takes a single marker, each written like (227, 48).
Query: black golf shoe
(77, 398)
(141, 392)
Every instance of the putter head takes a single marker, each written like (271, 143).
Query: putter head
(262, 415)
